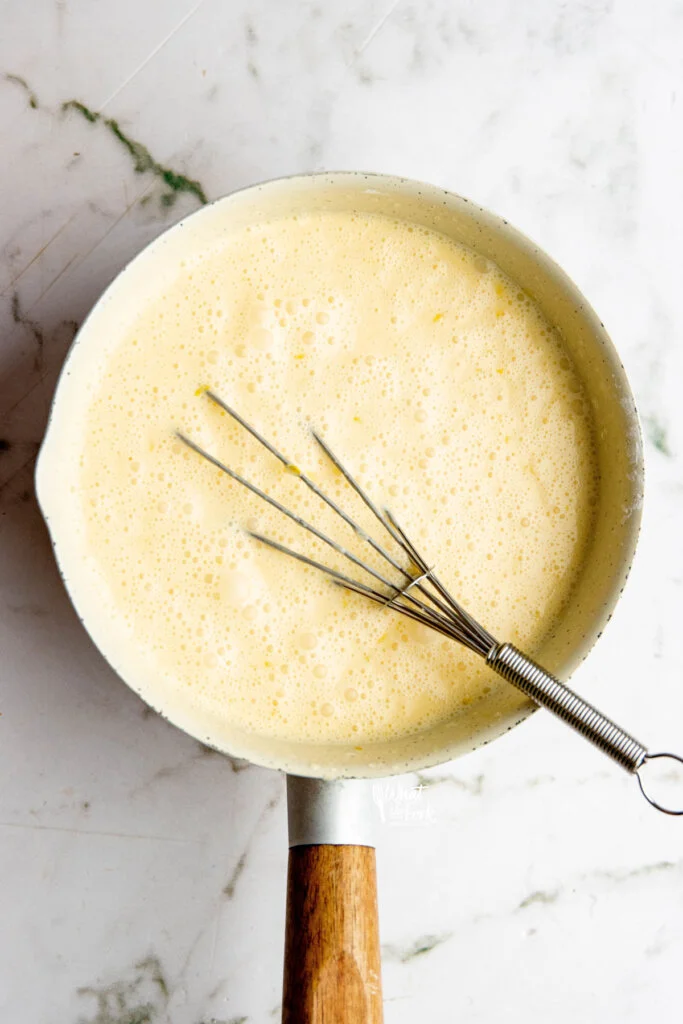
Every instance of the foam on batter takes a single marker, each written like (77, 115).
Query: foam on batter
(439, 384)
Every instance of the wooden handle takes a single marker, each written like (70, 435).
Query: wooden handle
(332, 958)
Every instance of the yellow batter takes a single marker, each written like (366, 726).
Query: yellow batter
(436, 381)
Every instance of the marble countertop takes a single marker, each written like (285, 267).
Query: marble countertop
(142, 878)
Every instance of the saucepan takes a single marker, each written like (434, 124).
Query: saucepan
(332, 959)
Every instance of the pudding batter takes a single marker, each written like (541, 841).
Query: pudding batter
(437, 382)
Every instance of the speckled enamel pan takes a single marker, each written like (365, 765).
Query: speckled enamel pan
(332, 966)
(618, 441)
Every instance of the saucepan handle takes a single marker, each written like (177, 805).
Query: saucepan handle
(332, 971)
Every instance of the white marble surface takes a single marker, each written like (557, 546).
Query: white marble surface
(142, 880)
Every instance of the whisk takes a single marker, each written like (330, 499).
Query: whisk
(420, 595)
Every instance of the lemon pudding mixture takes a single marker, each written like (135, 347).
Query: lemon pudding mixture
(437, 382)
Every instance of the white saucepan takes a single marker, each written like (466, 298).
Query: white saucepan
(332, 968)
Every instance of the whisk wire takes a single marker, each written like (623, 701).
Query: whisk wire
(442, 613)
(311, 484)
(331, 503)
(427, 612)
(282, 508)
(445, 607)
(354, 585)
(397, 536)
(453, 608)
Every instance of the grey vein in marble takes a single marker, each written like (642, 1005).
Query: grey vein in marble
(539, 896)
(143, 161)
(644, 871)
(251, 40)
(420, 947)
(236, 764)
(31, 97)
(141, 997)
(546, 897)
(203, 752)
(174, 181)
(657, 434)
(137, 999)
(231, 885)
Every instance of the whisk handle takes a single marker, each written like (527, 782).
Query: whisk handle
(550, 693)
(547, 691)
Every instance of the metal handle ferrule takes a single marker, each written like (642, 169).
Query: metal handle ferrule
(338, 812)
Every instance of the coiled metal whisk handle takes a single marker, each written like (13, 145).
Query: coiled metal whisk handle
(547, 691)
